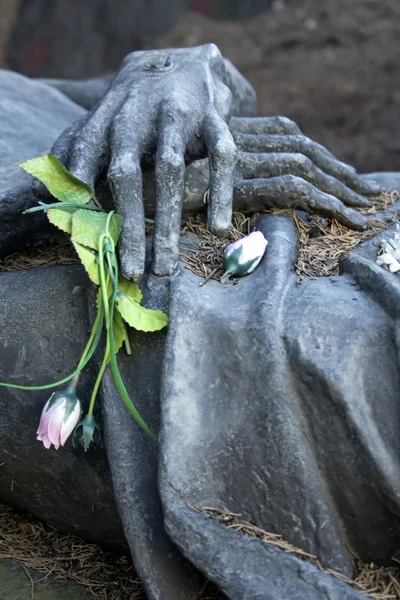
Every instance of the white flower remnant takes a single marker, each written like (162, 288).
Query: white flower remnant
(390, 257)
(243, 256)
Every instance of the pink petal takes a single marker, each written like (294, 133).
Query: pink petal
(55, 423)
(39, 437)
(46, 441)
(44, 419)
(69, 425)
(46, 414)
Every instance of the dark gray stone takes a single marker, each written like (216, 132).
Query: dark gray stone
(32, 116)
(43, 329)
(294, 425)
(260, 434)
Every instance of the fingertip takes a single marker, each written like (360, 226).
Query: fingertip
(132, 266)
(131, 274)
(219, 221)
(218, 228)
(370, 187)
(363, 202)
(359, 221)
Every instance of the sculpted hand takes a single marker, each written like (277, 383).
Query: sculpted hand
(278, 167)
(164, 108)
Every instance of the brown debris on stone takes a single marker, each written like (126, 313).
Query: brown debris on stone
(322, 242)
(379, 583)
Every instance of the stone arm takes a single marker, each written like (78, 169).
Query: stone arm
(87, 93)
(167, 108)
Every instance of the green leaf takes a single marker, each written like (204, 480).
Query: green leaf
(89, 260)
(139, 317)
(88, 226)
(60, 182)
(60, 218)
(130, 289)
(118, 331)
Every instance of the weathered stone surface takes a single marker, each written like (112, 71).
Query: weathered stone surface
(280, 402)
(32, 116)
(44, 327)
(294, 424)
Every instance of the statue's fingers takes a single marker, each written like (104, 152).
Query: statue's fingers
(317, 153)
(289, 191)
(90, 150)
(170, 176)
(253, 165)
(222, 155)
(125, 181)
(264, 125)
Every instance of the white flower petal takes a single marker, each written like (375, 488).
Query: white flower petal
(394, 267)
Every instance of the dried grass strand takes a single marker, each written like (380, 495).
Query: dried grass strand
(377, 582)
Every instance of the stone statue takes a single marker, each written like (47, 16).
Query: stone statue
(276, 400)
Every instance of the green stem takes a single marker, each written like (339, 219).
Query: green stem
(113, 360)
(45, 207)
(86, 356)
(97, 203)
(104, 364)
(127, 343)
(93, 333)
(111, 269)
(103, 278)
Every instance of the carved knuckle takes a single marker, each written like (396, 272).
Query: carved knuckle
(225, 151)
(171, 160)
(304, 164)
(226, 95)
(121, 168)
(213, 52)
(299, 186)
(289, 124)
(308, 145)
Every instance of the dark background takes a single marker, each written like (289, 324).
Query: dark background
(331, 65)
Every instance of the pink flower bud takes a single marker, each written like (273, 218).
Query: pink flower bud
(59, 417)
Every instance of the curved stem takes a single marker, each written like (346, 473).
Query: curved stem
(45, 207)
(127, 343)
(86, 356)
(96, 386)
(113, 361)
(92, 337)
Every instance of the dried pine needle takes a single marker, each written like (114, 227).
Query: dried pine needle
(379, 583)
(322, 243)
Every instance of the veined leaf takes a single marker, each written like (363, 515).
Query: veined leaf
(130, 289)
(89, 260)
(58, 180)
(60, 218)
(139, 317)
(88, 226)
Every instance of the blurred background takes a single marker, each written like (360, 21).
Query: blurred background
(331, 65)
